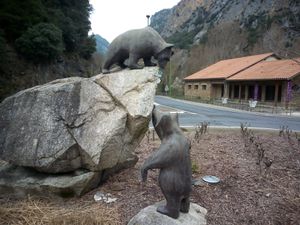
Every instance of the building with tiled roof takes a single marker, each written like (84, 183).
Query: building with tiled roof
(227, 68)
(263, 77)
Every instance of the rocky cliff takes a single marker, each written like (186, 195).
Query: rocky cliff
(206, 31)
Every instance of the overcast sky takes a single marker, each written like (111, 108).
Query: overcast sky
(113, 17)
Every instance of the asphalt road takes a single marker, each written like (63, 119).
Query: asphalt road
(191, 114)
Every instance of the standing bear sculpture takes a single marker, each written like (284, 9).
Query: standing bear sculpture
(135, 45)
(173, 160)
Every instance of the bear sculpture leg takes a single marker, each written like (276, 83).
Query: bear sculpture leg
(133, 62)
(122, 65)
(148, 62)
(172, 207)
(185, 205)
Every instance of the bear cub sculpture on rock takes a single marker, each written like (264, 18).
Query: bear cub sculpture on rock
(173, 160)
(137, 44)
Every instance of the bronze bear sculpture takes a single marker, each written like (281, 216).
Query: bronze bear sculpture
(137, 44)
(173, 160)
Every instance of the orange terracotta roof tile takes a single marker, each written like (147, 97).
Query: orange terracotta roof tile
(269, 70)
(226, 68)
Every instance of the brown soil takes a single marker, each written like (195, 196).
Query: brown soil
(250, 192)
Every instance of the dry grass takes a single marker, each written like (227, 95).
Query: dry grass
(48, 212)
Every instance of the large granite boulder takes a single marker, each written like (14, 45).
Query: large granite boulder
(149, 216)
(78, 123)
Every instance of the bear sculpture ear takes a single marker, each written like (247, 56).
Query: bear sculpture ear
(156, 116)
(175, 118)
(163, 126)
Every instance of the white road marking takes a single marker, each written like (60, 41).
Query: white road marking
(179, 112)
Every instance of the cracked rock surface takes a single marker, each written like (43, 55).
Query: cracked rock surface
(78, 123)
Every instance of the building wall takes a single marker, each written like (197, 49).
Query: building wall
(207, 90)
(216, 91)
(201, 89)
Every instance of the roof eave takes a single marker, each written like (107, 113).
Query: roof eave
(296, 74)
(197, 79)
(263, 79)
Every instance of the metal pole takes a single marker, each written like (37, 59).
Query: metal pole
(148, 18)
(170, 89)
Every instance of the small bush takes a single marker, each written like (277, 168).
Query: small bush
(195, 168)
(42, 42)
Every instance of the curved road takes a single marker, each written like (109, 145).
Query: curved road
(192, 113)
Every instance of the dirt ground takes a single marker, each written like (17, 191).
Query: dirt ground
(259, 172)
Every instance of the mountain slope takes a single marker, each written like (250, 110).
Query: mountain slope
(206, 31)
(101, 44)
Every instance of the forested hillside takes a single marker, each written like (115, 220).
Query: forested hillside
(41, 40)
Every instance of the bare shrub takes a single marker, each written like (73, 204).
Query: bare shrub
(201, 129)
(252, 141)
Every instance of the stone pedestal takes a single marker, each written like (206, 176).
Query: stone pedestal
(149, 216)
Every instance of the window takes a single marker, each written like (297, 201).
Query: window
(189, 86)
(251, 92)
(196, 86)
(243, 92)
(279, 93)
(236, 91)
(258, 92)
(270, 93)
(222, 91)
(203, 86)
